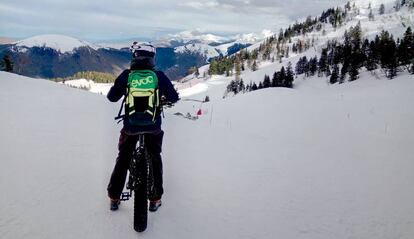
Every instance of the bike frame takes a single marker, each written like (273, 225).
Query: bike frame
(139, 153)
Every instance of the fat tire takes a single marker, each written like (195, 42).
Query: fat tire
(140, 195)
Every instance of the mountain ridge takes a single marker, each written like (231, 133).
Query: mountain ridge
(51, 56)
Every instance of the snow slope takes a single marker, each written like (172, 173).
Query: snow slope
(316, 162)
(90, 85)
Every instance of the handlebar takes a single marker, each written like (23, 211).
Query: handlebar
(167, 104)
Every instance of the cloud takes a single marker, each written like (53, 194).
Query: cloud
(132, 18)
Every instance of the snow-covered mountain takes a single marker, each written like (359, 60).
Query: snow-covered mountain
(60, 43)
(253, 37)
(202, 37)
(213, 46)
(206, 50)
(210, 45)
(194, 36)
(51, 56)
(199, 42)
(202, 43)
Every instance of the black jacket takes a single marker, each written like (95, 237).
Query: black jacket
(166, 89)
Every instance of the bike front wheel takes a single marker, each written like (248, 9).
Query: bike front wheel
(140, 196)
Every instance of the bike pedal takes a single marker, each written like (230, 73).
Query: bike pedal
(125, 196)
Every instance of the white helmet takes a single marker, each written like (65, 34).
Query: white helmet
(143, 49)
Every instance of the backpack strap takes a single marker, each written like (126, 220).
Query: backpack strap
(121, 117)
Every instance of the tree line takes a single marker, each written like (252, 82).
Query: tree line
(282, 78)
(6, 64)
(281, 45)
(97, 77)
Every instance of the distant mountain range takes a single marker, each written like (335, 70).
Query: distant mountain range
(51, 56)
(6, 40)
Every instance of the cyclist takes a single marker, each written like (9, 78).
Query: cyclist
(143, 58)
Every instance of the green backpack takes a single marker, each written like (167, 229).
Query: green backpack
(142, 98)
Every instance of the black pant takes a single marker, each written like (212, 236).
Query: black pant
(126, 146)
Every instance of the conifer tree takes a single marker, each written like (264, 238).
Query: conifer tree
(254, 66)
(254, 86)
(382, 9)
(313, 66)
(348, 6)
(289, 77)
(356, 57)
(397, 5)
(301, 65)
(197, 72)
(412, 67)
(237, 68)
(372, 57)
(328, 71)
(242, 87)
(388, 54)
(353, 69)
(344, 71)
(371, 16)
(405, 52)
(266, 82)
(335, 74)
(7, 63)
(323, 63)
(275, 79)
(282, 76)
(233, 86)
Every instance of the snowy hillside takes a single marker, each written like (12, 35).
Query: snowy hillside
(319, 161)
(316, 162)
(60, 43)
(395, 22)
(98, 88)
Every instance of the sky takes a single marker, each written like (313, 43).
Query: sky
(123, 19)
